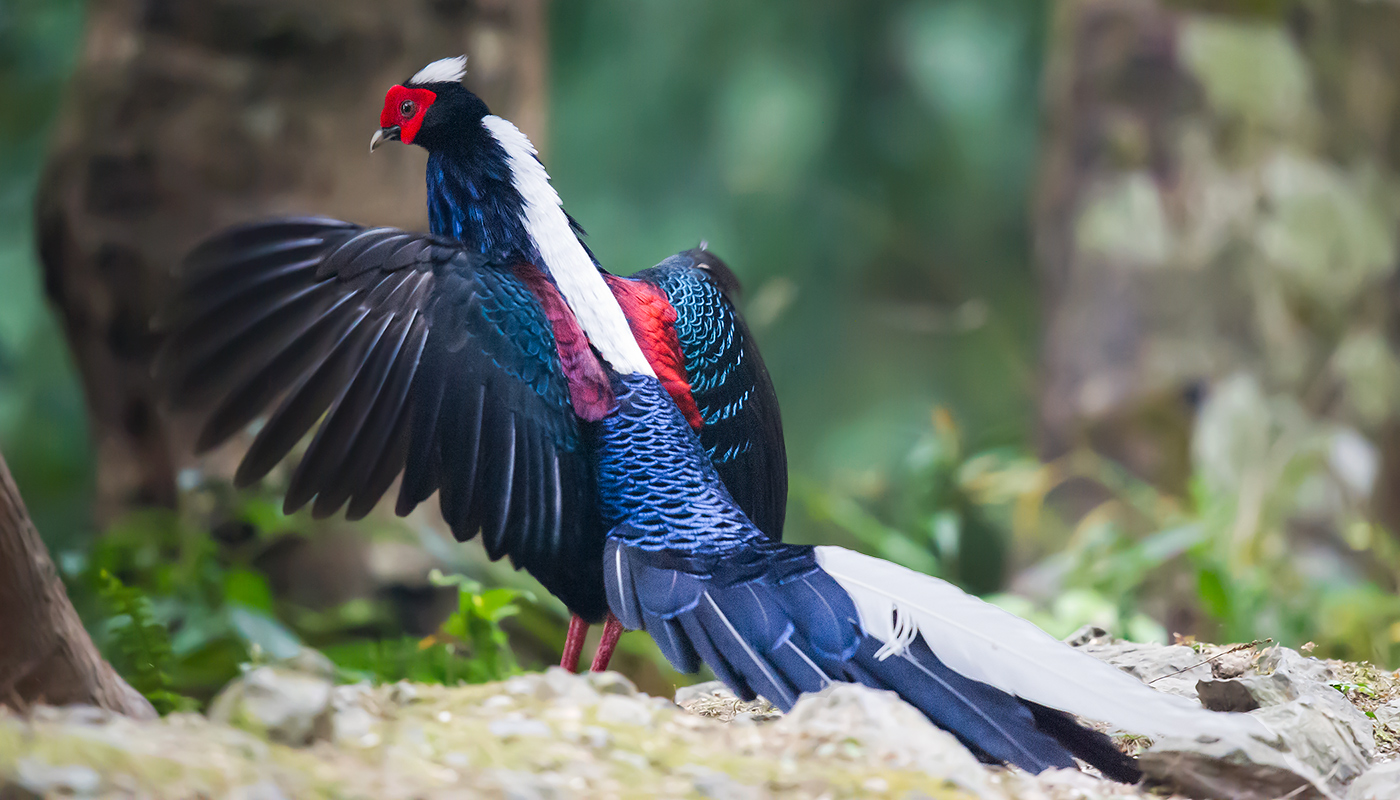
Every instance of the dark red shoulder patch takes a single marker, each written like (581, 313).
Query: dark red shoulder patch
(589, 389)
(653, 323)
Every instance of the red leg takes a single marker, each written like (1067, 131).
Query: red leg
(573, 643)
(612, 631)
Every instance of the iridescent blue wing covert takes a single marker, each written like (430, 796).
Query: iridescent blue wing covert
(743, 430)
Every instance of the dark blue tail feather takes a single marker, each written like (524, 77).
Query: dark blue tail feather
(770, 622)
(985, 719)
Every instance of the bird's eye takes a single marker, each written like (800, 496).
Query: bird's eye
(406, 108)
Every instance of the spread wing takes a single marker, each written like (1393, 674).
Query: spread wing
(743, 431)
(418, 358)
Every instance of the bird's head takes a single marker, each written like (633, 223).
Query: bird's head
(428, 108)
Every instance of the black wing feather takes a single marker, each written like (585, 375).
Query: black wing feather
(306, 403)
(327, 449)
(423, 473)
(383, 440)
(354, 442)
(308, 349)
(416, 357)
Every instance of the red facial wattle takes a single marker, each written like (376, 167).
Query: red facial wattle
(394, 106)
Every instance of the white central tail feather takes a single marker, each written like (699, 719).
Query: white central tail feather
(985, 643)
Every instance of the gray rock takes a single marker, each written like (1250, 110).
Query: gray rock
(596, 737)
(1283, 675)
(47, 780)
(713, 784)
(311, 662)
(262, 790)
(78, 714)
(611, 683)
(1323, 742)
(562, 686)
(522, 684)
(714, 700)
(1169, 668)
(287, 706)
(403, 693)
(354, 726)
(1226, 695)
(1233, 664)
(517, 785)
(353, 695)
(1388, 715)
(892, 732)
(1320, 734)
(1381, 782)
(354, 719)
(515, 726)
(1088, 634)
(624, 710)
(1296, 699)
(687, 695)
(1250, 770)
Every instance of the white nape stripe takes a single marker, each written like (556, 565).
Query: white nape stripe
(564, 257)
(444, 70)
(980, 641)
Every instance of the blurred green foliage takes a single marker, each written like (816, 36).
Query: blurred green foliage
(1232, 563)
(182, 611)
(43, 427)
(470, 645)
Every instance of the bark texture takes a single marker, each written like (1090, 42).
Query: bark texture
(185, 117)
(46, 655)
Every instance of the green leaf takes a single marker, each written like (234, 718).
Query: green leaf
(144, 644)
(257, 628)
(497, 604)
(1211, 589)
(265, 514)
(248, 588)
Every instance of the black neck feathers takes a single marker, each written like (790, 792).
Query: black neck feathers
(471, 198)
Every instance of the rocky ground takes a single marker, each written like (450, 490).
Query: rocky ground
(288, 732)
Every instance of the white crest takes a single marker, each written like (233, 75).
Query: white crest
(444, 70)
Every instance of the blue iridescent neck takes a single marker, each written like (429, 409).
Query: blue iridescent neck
(471, 199)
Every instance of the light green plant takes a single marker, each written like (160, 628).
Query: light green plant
(143, 644)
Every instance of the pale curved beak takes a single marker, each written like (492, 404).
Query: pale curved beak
(389, 134)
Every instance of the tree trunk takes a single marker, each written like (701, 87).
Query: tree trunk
(46, 655)
(185, 117)
(1218, 197)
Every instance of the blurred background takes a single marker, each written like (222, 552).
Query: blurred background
(1090, 307)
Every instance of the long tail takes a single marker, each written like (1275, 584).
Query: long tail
(770, 621)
